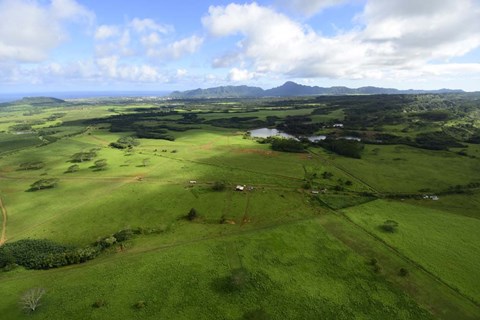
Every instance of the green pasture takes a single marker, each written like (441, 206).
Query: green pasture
(444, 244)
(304, 254)
(286, 276)
(406, 169)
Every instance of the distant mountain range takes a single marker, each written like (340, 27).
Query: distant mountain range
(291, 89)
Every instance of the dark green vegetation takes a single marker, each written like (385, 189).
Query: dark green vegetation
(169, 209)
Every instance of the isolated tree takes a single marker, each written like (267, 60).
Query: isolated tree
(100, 164)
(403, 272)
(73, 168)
(30, 300)
(35, 165)
(44, 184)
(84, 156)
(218, 186)
(390, 226)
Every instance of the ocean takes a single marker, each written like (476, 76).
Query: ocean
(7, 97)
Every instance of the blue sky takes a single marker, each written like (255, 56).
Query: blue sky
(82, 45)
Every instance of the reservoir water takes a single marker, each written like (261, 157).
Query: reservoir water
(266, 132)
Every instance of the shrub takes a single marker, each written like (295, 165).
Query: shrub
(123, 235)
(139, 304)
(99, 303)
(403, 272)
(390, 226)
(219, 186)
(192, 214)
(30, 300)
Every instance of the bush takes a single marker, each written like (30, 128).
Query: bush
(390, 226)
(99, 303)
(139, 304)
(192, 214)
(403, 272)
(123, 235)
(219, 186)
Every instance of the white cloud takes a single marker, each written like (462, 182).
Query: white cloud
(143, 38)
(429, 29)
(184, 46)
(70, 9)
(145, 25)
(392, 38)
(309, 7)
(29, 30)
(237, 75)
(150, 40)
(181, 73)
(105, 31)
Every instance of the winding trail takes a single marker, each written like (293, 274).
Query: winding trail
(3, 237)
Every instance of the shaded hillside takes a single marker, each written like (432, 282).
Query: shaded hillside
(291, 89)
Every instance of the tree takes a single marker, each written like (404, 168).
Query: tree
(390, 226)
(84, 156)
(100, 164)
(44, 184)
(218, 186)
(73, 168)
(192, 214)
(30, 300)
(36, 165)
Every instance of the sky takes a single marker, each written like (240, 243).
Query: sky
(149, 45)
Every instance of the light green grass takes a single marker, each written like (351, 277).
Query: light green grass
(292, 277)
(445, 244)
(406, 169)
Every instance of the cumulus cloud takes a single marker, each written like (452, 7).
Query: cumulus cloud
(390, 36)
(105, 31)
(237, 75)
(30, 30)
(309, 7)
(144, 25)
(144, 37)
(184, 46)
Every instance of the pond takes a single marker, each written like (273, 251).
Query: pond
(266, 132)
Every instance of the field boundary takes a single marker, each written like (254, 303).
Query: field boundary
(411, 261)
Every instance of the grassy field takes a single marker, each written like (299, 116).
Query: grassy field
(444, 244)
(409, 170)
(288, 277)
(296, 244)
